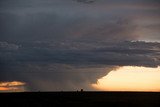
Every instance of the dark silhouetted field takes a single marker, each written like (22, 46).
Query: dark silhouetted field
(67, 99)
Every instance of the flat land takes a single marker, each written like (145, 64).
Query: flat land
(56, 99)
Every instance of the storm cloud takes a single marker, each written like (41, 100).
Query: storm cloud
(69, 44)
(75, 65)
(67, 20)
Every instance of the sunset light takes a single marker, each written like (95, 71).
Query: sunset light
(130, 78)
(12, 86)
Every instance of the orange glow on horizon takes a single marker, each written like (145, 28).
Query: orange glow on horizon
(3, 88)
(12, 86)
(129, 78)
(13, 83)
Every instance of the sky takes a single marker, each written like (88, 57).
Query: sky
(55, 45)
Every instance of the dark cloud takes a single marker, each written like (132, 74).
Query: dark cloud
(61, 20)
(52, 26)
(64, 77)
(69, 45)
(122, 53)
(49, 77)
(70, 66)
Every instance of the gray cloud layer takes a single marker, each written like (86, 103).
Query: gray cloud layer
(79, 53)
(69, 44)
(70, 66)
(61, 19)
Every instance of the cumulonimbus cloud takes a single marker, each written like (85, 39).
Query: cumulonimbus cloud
(69, 45)
(70, 66)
